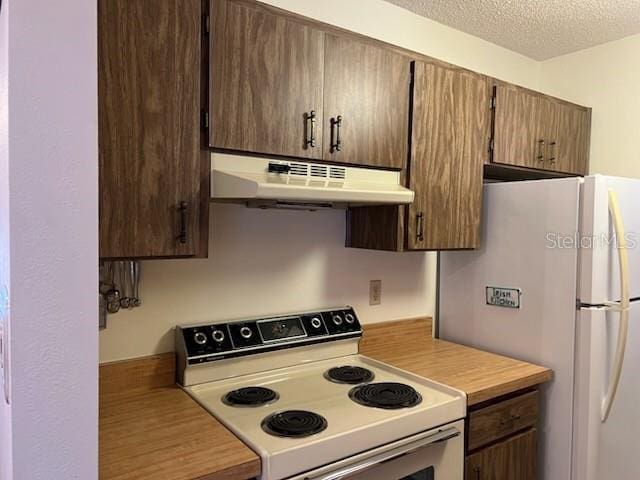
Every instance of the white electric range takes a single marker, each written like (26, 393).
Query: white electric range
(296, 391)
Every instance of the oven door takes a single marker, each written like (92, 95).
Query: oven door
(434, 455)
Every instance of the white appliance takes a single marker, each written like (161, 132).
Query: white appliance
(553, 284)
(263, 182)
(296, 391)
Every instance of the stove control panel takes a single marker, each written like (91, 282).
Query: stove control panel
(210, 342)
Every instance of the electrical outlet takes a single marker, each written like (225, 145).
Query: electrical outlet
(375, 292)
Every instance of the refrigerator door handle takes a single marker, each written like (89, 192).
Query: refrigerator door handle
(622, 306)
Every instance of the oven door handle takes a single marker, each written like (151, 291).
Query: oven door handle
(439, 437)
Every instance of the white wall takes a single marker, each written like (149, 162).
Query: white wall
(606, 78)
(273, 262)
(53, 238)
(5, 410)
(264, 262)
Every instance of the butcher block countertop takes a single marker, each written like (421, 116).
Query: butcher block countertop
(483, 376)
(150, 429)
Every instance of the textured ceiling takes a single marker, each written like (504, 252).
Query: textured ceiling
(539, 29)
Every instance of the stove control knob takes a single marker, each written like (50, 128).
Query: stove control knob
(337, 319)
(316, 322)
(349, 318)
(200, 338)
(246, 333)
(218, 336)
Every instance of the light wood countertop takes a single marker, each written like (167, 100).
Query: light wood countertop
(150, 429)
(483, 376)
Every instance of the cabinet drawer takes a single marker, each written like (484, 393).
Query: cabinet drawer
(497, 421)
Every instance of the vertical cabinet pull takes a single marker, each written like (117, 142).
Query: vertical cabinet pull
(540, 156)
(182, 236)
(552, 153)
(420, 226)
(477, 472)
(310, 123)
(336, 123)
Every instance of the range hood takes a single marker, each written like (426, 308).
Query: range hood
(264, 183)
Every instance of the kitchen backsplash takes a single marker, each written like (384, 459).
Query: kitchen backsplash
(264, 262)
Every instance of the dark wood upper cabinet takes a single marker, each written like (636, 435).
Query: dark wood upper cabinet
(535, 131)
(151, 169)
(266, 78)
(366, 99)
(520, 129)
(281, 85)
(451, 129)
(450, 133)
(569, 139)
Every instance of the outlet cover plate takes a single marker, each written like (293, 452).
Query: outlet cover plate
(375, 292)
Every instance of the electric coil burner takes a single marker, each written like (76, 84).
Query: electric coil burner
(387, 395)
(250, 397)
(349, 374)
(294, 424)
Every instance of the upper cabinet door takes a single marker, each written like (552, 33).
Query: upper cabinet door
(569, 139)
(521, 127)
(149, 127)
(266, 75)
(366, 100)
(451, 129)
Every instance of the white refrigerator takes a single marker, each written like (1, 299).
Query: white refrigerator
(553, 284)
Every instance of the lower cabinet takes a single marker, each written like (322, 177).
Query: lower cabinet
(511, 459)
(502, 439)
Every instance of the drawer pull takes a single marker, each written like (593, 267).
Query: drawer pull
(513, 418)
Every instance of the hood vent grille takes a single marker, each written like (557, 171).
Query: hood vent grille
(338, 173)
(318, 171)
(301, 169)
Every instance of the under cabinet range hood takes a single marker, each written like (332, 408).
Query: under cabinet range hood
(271, 183)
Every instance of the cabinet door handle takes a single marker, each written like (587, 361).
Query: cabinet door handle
(336, 123)
(310, 119)
(477, 472)
(182, 236)
(420, 226)
(552, 152)
(540, 156)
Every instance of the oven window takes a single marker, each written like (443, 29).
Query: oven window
(427, 474)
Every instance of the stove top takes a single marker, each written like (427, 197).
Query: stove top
(348, 426)
(296, 391)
